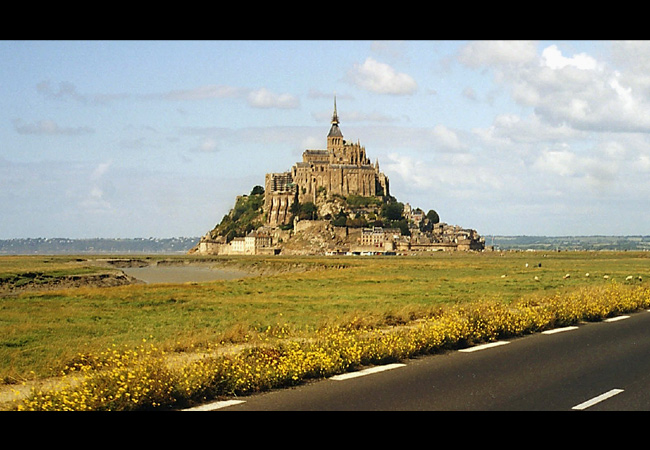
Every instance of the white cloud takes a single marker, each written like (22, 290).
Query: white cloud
(456, 176)
(578, 90)
(558, 162)
(381, 78)
(446, 139)
(263, 98)
(552, 57)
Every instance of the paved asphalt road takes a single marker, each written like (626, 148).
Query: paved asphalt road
(594, 366)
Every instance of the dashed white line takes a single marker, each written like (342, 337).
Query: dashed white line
(614, 319)
(215, 405)
(559, 330)
(361, 373)
(598, 399)
(346, 376)
(483, 346)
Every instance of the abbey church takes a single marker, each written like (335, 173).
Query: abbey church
(343, 169)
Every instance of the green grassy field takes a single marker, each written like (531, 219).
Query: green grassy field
(41, 332)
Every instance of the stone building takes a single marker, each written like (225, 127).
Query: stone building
(379, 237)
(255, 243)
(343, 169)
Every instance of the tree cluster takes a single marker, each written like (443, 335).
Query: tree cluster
(245, 216)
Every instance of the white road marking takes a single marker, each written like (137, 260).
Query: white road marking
(614, 319)
(559, 330)
(483, 347)
(361, 373)
(215, 405)
(598, 399)
(346, 376)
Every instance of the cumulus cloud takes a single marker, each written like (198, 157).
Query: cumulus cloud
(574, 90)
(552, 57)
(512, 130)
(263, 98)
(559, 162)
(454, 175)
(446, 139)
(381, 78)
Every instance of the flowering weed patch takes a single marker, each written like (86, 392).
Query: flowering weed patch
(142, 378)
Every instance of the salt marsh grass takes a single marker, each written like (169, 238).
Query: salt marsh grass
(168, 344)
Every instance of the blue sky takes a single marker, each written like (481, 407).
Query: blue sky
(156, 138)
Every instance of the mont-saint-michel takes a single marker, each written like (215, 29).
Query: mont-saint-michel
(334, 201)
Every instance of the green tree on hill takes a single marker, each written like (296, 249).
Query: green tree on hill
(433, 216)
(244, 217)
(392, 210)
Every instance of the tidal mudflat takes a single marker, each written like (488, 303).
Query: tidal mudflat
(183, 274)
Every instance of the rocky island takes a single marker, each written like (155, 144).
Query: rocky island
(334, 201)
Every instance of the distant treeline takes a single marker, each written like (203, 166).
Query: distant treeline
(52, 246)
(563, 243)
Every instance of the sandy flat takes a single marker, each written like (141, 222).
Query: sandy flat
(183, 274)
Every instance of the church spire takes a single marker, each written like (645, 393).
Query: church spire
(334, 130)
